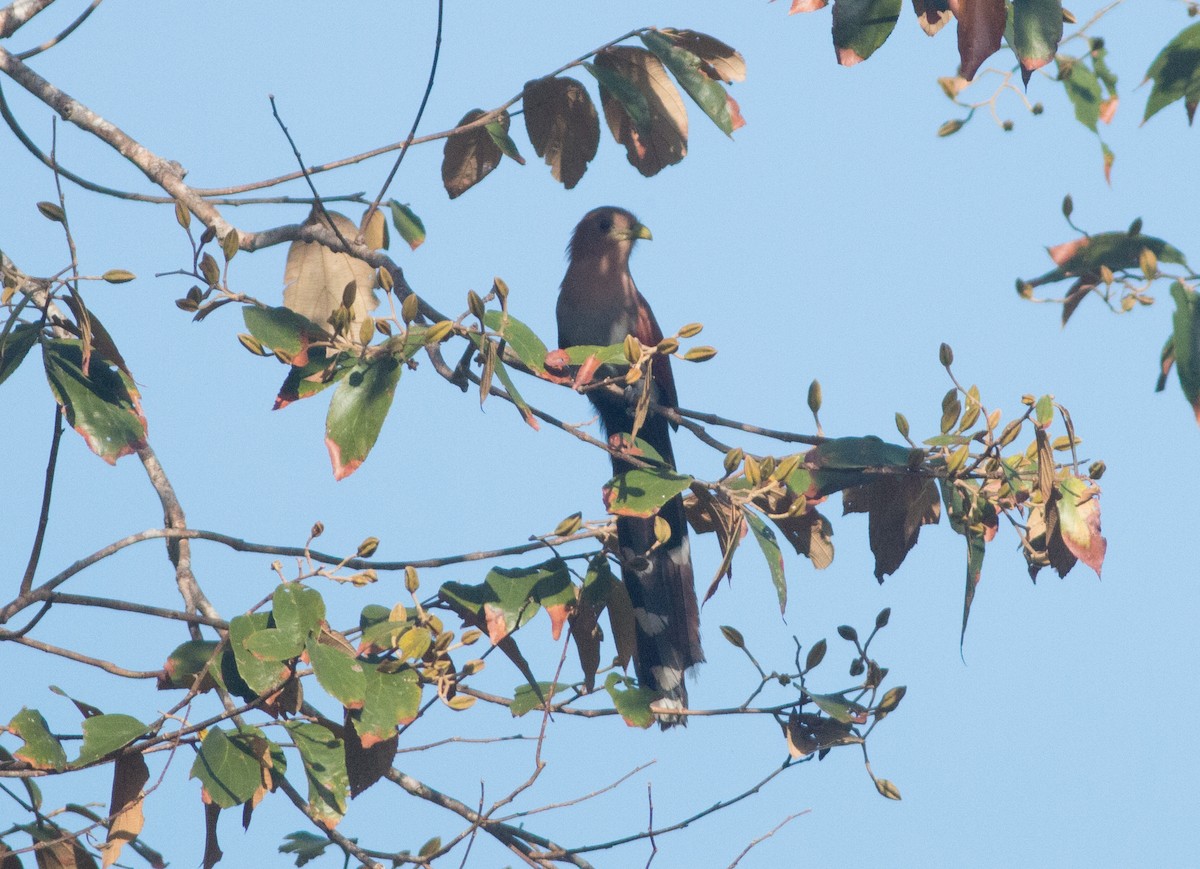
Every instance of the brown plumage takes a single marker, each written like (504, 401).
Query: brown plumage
(599, 304)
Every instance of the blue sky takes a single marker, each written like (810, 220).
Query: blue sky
(834, 238)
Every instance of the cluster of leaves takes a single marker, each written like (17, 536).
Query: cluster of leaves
(1120, 267)
(644, 111)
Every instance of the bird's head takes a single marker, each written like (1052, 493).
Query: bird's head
(604, 232)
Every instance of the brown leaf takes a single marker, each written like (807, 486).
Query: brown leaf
(365, 765)
(469, 157)
(897, 507)
(585, 629)
(658, 138)
(130, 775)
(563, 126)
(932, 15)
(558, 617)
(621, 619)
(980, 28)
(315, 277)
(719, 61)
(212, 849)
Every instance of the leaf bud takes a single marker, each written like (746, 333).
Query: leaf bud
(1037, 108)
(1024, 289)
(317, 530)
(1148, 263)
(208, 235)
(902, 425)
(945, 355)
(50, 211)
(847, 633)
(210, 270)
(950, 128)
(691, 330)
(662, 530)
(1068, 205)
(248, 341)
(475, 304)
(667, 346)
(469, 638)
(349, 293)
(367, 548)
(856, 667)
(814, 396)
(118, 276)
(734, 636)
(1007, 126)
(632, 349)
(568, 526)
(733, 460)
(411, 581)
(753, 470)
(438, 332)
(182, 216)
(229, 244)
(881, 620)
(700, 354)
(1135, 228)
(500, 289)
(410, 307)
(815, 655)
(1096, 470)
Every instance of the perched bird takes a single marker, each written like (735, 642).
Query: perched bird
(599, 304)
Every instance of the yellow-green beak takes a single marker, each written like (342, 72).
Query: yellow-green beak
(636, 231)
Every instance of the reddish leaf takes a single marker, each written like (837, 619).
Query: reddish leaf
(862, 26)
(897, 507)
(980, 28)
(643, 109)
(807, 6)
(1079, 521)
(1037, 29)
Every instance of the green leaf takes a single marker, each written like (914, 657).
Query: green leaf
(520, 338)
(626, 93)
(391, 699)
(410, 227)
(324, 759)
(1083, 90)
(1176, 74)
(1185, 341)
(704, 91)
(306, 846)
(526, 699)
(771, 552)
(281, 328)
(509, 598)
(104, 734)
(633, 704)
(499, 132)
(861, 26)
(1037, 29)
(611, 355)
(297, 611)
(338, 673)
(41, 750)
(858, 453)
(259, 675)
(227, 767)
(642, 492)
(15, 344)
(272, 644)
(357, 411)
(102, 405)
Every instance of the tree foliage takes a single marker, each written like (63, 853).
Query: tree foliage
(278, 693)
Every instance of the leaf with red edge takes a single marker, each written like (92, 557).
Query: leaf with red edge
(980, 28)
(688, 69)
(1037, 30)
(644, 111)
(563, 126)
(365, 766)
(860, 27)
(719, 61)
(1079, 521)
(643, 491)
(392, 699)
(324, 760)
(1176, 74)
(102, 405)
(41, 750)
(357, 411)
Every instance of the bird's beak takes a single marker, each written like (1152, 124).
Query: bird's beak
(634, 232)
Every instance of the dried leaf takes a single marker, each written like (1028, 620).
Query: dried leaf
(980, 28)
(315, 277)
(644, 111)
(469, 157)
(563, 126)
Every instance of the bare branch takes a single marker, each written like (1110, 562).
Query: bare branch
(35, 553)
(765, 836)
(15, 15)
(106, 666)
(63, 34)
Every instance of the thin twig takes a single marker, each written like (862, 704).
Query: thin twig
(44, 515)
(765, 836)
(307, 179)
(106, 666)
(63, 34)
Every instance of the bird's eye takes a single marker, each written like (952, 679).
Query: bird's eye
(605, 225)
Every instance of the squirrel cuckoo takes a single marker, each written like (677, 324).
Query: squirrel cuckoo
(599, 304)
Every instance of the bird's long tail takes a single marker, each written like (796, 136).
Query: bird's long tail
(663, 592)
